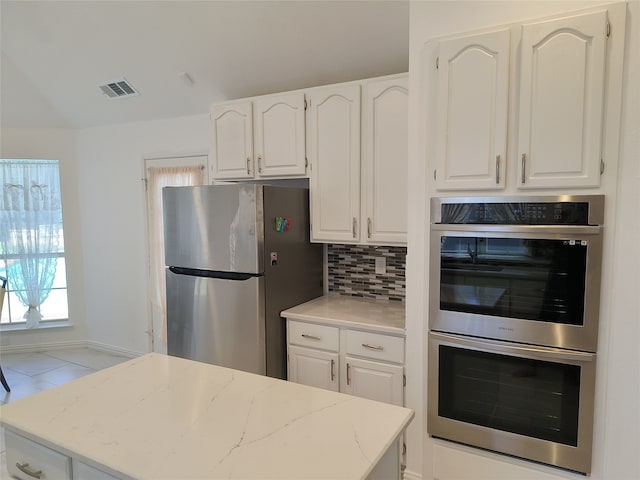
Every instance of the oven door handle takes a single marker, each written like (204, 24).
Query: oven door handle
(497, 346)
(533, 229)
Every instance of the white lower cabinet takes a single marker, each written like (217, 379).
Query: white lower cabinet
(374, 380)
(313, 367)
(361, 363)
(27, 459)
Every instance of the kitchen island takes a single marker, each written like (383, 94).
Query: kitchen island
(162, 417)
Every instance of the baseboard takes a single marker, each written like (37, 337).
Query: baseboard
(42, 347)
(409, 475)
(111, 349)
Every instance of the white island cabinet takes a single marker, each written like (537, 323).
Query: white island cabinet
(165, 417)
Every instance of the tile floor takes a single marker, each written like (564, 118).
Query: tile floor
(29, 373)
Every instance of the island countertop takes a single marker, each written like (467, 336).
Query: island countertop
(341, 310)
(162, 417)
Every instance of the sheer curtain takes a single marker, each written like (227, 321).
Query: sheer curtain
(30, 229)
(157, 178)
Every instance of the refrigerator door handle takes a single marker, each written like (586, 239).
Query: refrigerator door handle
(196, 272)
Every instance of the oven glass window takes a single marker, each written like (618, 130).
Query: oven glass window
(529, 397)
(542, 280)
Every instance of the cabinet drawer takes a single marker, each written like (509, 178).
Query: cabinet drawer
(313, 335)
(375, 345)
(24, 456)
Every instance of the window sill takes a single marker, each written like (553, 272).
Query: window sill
(42, 326)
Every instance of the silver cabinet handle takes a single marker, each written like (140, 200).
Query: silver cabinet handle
(333, 375)
(311, 337)
(24, 468)
(373, 347)
(497, 169)
(348, 374)
(524, 166)
(368, 227)
(259, 163)
(354, 226)
(248, 165)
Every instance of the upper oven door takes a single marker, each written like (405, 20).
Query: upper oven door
(530, 284)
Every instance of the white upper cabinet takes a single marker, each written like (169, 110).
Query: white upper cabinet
(562, 75)
(357, 176)
(384, 160)
(279, 136)
(260, 138)
(334, 151)
(232, 140)
(536, 89)
(473, 91)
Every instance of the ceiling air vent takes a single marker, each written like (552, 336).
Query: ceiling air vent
(118, 89)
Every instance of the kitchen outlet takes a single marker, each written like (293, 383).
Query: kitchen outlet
(381, 265)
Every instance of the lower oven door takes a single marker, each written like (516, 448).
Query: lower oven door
(522, 400)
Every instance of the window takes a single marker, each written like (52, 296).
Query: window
(32, 243)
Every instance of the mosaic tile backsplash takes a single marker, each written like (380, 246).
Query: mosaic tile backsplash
(351, 271)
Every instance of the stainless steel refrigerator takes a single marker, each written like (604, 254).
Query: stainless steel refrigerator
(236, 256)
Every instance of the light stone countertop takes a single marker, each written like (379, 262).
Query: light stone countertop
(341, 310)
(162, 417)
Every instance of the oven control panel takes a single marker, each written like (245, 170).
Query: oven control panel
(527, 213)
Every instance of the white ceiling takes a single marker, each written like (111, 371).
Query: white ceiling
(55, 53)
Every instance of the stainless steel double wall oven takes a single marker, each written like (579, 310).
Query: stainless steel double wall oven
(513, 318)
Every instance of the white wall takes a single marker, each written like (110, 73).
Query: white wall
(104, 214)
(55, 144)
(622, 387)
(112, 214)
(617, 420)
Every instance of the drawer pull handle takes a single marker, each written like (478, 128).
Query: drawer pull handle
(333, 375)
(311, 337)
(348, 374)
(373, 347)
(24, 468)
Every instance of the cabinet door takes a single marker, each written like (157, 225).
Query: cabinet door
(82, 471)
(232, 141)
(334, 136)
(385, 160)
(473, 89)
(279, 135)
(561, 93)
(316, 368)
(374, 380)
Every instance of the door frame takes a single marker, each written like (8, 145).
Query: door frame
(175, 160)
